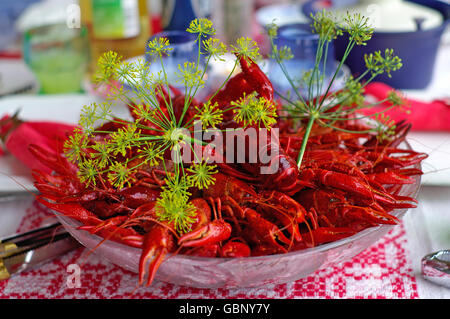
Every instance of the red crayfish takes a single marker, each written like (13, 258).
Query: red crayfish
(346, 183)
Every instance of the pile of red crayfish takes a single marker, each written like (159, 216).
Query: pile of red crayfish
(347, 182)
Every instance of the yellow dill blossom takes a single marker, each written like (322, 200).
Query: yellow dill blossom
(88, 172)
(177, 184)
(107, 64)
(246, 47)
(177, 210)
(202, 27)
(244, 109)
(190, 75)
(124, 138)
(102, 154)
(251, 110)
(119, 174)
(150, 154)
(265, 112)
(202, 174)
(75, 145)
(209, 115)
(159, 46)
(214, 48)
(378, 64)
(326, 26)
(358, 29)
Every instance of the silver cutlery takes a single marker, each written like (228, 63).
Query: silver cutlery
(26, 250)
(436, 267)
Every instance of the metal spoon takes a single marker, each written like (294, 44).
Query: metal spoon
(436, 267)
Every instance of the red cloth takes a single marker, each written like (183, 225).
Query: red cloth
(434, 116)
(384, 270)
(19, 137)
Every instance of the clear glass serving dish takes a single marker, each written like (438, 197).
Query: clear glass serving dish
(201, 272)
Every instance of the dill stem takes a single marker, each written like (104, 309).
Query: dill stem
(349, 48)
(196, 141)
(137, 88)
(315, 70)
(170, 109)
(190, 98)
(312, 118)
(283, 69)
(324, 67)
(226, 80)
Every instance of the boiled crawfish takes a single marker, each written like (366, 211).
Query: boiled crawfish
(346, 183)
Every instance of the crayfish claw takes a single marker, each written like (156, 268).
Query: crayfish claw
(213, 232)
(158, 242)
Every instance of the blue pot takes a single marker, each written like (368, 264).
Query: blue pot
(417, 50)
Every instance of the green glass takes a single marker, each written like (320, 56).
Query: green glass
(58, 56)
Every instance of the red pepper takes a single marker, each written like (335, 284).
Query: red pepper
(19, 135)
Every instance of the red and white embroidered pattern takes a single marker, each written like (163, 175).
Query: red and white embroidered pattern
(381, 271)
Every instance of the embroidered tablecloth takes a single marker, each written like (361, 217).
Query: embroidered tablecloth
(384, 270)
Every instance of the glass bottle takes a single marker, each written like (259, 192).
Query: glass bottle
(119, 25)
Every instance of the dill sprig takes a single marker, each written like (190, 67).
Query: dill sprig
(320, 104)
(110, 151)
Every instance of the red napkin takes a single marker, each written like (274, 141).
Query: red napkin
(433, 116)
(18, 135)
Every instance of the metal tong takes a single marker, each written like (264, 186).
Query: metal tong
(24, 251)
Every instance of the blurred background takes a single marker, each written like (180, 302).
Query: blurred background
(51, 46)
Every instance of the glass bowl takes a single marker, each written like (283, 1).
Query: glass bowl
(247, 272)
